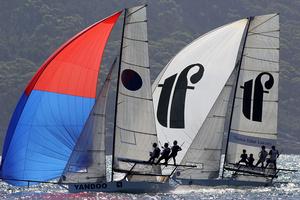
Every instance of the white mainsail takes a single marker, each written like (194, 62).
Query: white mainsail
(87, 161)
(135, 130)
(254, 117)
(188, 87)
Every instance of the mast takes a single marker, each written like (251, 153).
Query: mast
(117, 91)
(235, 89)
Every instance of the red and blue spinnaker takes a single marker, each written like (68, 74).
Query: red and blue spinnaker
(54, 107)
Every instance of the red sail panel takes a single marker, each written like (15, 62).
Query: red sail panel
(73, 68)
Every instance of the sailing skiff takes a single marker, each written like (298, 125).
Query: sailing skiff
(229, 74)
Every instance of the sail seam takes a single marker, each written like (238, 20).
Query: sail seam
(96, 150)
(272, 61)
(135, 97)
(263, 48)
(135, 11)
(137, 40)
(254, 132)
(129, 23)
(263, 22)
(145, 133)
(95, 114)
(260, 34)
(263, 100)
(89, 150)
(272, 31)
(128, 63)
(254, 70)
(215, 116)
(210, 149)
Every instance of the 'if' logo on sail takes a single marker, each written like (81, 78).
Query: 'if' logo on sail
(257, 105)
(176, 118)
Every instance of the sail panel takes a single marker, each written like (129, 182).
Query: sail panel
(187, 88)
(87, 162)
(254, 120)
(54, 107)
(135, 130)
(205, 150)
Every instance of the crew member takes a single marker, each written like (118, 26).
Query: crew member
(243, 157)
(165, 154)
(154, 154)
(262, 157)
(175, 148)
(250, 160)
(274, 154)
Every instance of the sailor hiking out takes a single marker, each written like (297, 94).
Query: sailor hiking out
(175, 148)
(262, 157)
(165, 154)
(154, 154)
(274, 154)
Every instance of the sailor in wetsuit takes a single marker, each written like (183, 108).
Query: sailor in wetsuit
(175, 148)
(250, 160)
(165, 154)
(244, 157)
(262, 157)
(274, 154)
(154, 154)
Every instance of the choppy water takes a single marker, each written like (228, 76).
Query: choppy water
(283, 191)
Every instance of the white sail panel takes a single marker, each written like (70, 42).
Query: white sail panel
(135, 126)
(87, 162)
(187, 88)
(205, 150)
(254, 120)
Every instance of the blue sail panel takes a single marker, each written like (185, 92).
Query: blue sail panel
(44, 136)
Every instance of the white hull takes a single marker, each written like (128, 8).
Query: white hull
(120, 186)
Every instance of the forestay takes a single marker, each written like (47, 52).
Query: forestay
(254, 119)
(188, 87)
(87, 161)
(135, 130)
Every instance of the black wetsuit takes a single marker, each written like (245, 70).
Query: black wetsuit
(165, 155)
(250, 161)
(175, 150)
(154, 154)
(244, 157)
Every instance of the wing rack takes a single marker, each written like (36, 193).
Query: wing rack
(264, 172)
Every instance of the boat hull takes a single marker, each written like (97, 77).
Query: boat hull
(223, 182)
(120, 186)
